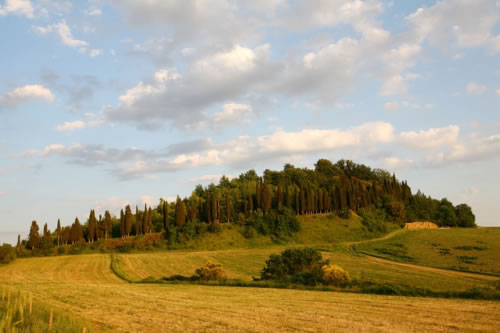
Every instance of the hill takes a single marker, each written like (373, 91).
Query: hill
(474, 250)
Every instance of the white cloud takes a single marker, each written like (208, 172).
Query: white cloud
(94, 52)
(64, 32)
(93, 11)
(25, 94)
(17, 7)
(498, 91)
(3, 194)
(454, 22)
(71, 126)
(216, 79)
(241, 151)
(315, 140)
(232, 114)
(430, 139)
(394, 163)
(474, 190)
(474, 88)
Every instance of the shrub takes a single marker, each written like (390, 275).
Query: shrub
(345, 213)
(77, 248)
(292, 262)
(7, 253)
(211, 272)
(335, 275)
(215, 227)
(249, 233)
(373, 219)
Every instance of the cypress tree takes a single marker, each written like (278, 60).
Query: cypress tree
(214, 209)
(34, 237)
(58, 232)
(122, 224)
(257, 195)
(108, 224)
(250, 203)
(302, 201)
(208, 210)
(128, 220)
(280, 196)
(138, 222)
(180, 214)
(229, 207)
(297, 200)
(92, 226)
(18, 241)
(266, 198)
(77, 232)
(165, 215)
(288, 200)
(145, 220)
(46, 232)
(150, 220)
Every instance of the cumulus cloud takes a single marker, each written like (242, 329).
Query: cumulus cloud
(478, 149)
(394, 163)
(25, 94)
(218, 78)
(64, 32)
(474, 88)
(71, 126)
(454, 22)
(17, 7)
(238, 152)
(430, 139)
(93, 11)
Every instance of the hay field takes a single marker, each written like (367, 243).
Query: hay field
(474, 250)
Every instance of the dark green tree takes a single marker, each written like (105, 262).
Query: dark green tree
(34, 236)
(180, 213)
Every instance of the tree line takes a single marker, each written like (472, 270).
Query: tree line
(270, 199)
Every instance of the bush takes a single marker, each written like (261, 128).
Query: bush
(293, 262)
(77, 248)
(7, 253)
(373, 220)
(215, 227)
(281, 224)
(249, 233)
(345, 213)
(335, 275)
(211, 272)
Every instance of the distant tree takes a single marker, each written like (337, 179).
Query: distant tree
(58, 230)
(280, 197)
(76, 232)
(257, 195)
(180, 213)
(446, 213)
(266, 198)
(123, 230)
(165, 215)
(108, 223)
(145, 220)
(138, 222)
(128, 220)
(34, 236)
(150, 220)
(46, 231)
(465, 217)
(92, 226)
(18, 241)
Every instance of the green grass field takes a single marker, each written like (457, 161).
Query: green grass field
(474, 250)
(86, 287)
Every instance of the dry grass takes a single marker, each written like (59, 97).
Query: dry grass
(175, 308)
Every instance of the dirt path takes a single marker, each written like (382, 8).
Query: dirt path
(433, 269)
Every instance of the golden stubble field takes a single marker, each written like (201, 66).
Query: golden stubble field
(85, 286)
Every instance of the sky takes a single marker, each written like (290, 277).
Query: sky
(105, 103)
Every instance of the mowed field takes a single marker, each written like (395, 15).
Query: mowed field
(474, 250)
(85, 286)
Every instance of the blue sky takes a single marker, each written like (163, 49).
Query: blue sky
(107, 102)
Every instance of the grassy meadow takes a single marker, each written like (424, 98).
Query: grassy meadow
(91, 288)
(473, 250)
